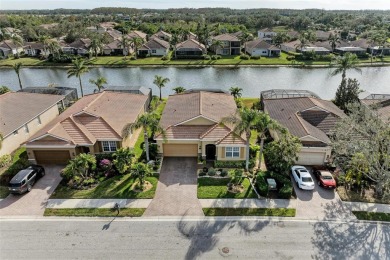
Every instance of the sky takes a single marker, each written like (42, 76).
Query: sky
(165, 4)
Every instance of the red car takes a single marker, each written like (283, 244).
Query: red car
(325, 179)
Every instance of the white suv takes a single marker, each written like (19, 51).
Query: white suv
(302, 177)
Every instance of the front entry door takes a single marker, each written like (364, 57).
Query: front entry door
(210, 152)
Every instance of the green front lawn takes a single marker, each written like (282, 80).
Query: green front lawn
(279, 212)
(375, 216)
(116, 187)
(213, 188)
(4, 192)
(95, 212)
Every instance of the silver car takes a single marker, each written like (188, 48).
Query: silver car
(24, 180)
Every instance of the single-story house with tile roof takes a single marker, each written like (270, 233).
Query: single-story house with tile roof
(154, 47)
(316, 50)
(311, 120)
(93, 125)
(190, 49)
(260, 47)
(79, 47)
(23, 114)
(135, 34)
(7, 47)
(35, 49)
(379, 103)
(192, 124)
(115, 48)
(355, 50)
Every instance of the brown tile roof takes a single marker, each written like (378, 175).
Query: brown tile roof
(96, 116)
(231, 138)
(116, 44)
(190, 44)
(18, 108)
(226, 37)
(81, 43)
(155, 43)
(136, 33)
(8, 44)
(305, 115)
(162, 34)
(186, 131)
(380, 106)
(183, 107)
(216, 132)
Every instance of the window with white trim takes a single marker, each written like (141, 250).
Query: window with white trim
(232, 152)
(154, 51)
(109, 146)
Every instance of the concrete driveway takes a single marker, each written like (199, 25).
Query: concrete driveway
(176, 193)
(33, 203)
(319, 203)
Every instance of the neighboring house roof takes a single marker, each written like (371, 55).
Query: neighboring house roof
(380, 103)
(293, 34)
(48, 25)
(83, 43)
(34, 45)
(116, 44)
(18, 108)
(260, 44)
(362, 43)
(155, 43)
(135, 33)
(328, 46)
(8, 44)
(321, 35)
(162, 34)
(114, 34)
(93, 117)
(192, 35)
(305, 116)
(237, 34)
(313, 48)
(292, 44)
(185, 107)
(350, 49)
(226, 37)
(191, 44)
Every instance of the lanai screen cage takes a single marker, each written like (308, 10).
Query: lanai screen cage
(286, 93)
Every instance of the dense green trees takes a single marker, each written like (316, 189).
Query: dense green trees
(347, 93)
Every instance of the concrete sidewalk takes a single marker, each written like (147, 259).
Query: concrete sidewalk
(370, 207)
(247, 203)
(97, 203)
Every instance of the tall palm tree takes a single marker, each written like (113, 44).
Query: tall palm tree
(244, 38)
(303, 42)
(54, 48)
(235, 92)
(96, 46)
(149, 123)
(136, 42)
(18, 41)
(78, 69)
(344, 63)
(125, 44)
(45, 40)
(99, 82)
(243, 121)
(179, 90)
(160, 82)
(17, 66)
(263, 124)
(334, 39)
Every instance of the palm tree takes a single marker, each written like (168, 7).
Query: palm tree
(136, 42)
(179, 90)
(346, 62)
(54, 48)
(333, 40)
(244, 38)
(17, 66)
(99, 82)
(303, 42)
(235, 92)
(125, 44)
(215, 44)
(263, 124)
(18, 41)
(141, 170)
(78, 69)
(96, 46)
(45, 40)
(149, 123)
(243, 121)
(160, 82)
(280, 38)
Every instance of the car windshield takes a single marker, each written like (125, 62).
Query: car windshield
(306, 179)
(15, 185)
(327, 177)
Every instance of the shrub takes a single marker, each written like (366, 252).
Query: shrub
(202, 173)
(239, 103)
(229, 164)
(285, 192)
(244, 57)
(122, 159)
(224, 173)
(102, 156)
(262, 185)
(206, 57)
(290, 58)
(5, 160)
(133, 58)
(211, 172)
(255, 57)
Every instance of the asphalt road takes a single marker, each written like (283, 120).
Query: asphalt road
(253, 239)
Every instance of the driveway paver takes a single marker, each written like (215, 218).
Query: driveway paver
(33, 203)
(320, 203)
(176, 193)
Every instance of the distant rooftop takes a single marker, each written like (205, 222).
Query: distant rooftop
(214, 90)
(130, 89)
(286, 93)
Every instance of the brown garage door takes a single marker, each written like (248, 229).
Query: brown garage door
(180, 150)
(52, 157)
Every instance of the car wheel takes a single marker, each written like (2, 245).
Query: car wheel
(29, 187)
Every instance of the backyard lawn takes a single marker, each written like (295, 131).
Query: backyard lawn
(95, 212)
(116, 187)
(213, 188)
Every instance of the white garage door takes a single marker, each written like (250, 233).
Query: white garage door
(311, 158)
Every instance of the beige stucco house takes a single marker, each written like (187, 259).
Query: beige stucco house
(24, 114)
(93, 125)
(192, 127)
(309, 118)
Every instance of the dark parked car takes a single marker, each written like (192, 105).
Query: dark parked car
(24, 180)
(325, 179)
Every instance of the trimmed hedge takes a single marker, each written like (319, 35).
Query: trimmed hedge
(229, 164)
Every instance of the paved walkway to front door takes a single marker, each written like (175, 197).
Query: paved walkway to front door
(176, 193)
